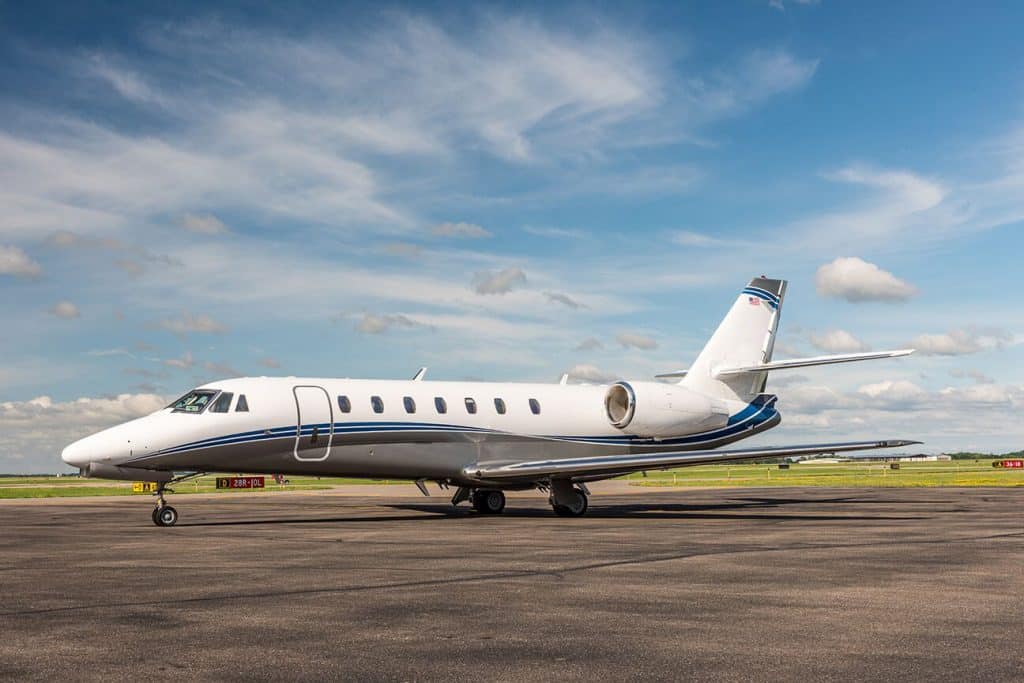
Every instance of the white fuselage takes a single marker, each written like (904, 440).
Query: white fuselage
(333, 427)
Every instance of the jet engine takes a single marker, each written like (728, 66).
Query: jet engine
(655, 410)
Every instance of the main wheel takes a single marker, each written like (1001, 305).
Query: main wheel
(165, 516)
(489, 502)
(576, 508)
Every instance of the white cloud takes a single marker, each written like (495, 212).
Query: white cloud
(205, 224)
(856, 280)
(688, 238)
(498, 282)
(185, 362)
(901, 391)
(222, 370)
(838, 341)
(977, 375)
(371, 323)
(589, 344)
(460, 230)
(960, 342)
(636, 341)
(403, 249)
(591, 373)
(125, 82)
(564, 299)
(65, 309)
(984, 394)
(14, 261)
(556, 233)
(187, 323)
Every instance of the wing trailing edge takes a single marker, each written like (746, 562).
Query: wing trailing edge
(633, 462)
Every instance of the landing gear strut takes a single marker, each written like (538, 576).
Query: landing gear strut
(488, 501)
(568, 500)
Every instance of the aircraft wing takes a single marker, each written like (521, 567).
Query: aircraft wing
(634, 462)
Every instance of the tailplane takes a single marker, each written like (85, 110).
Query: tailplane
(736, 361)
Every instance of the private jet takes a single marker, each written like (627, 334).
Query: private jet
(479, 438)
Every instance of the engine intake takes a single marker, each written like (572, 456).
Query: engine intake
(652, 409)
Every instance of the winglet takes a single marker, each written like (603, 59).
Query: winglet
(565, 379)
(418, 377)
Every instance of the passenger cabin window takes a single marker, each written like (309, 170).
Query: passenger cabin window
(377, 403)
(535, 406)
(499, 405)
(194, 401)
(223, 403)
(410, 405)
(344, 405)
(470, 406)
(243, 405)
(440, 404)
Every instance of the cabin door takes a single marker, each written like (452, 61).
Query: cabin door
(315, 421)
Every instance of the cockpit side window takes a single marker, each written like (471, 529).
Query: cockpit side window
(243, 405)
(194, 401)
(223, 403)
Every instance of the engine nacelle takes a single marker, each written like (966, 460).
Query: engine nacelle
(652, 409)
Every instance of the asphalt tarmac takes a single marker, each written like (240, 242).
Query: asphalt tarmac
(739, 585)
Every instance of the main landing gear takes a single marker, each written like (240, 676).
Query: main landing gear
(568, 500)
(488, 501)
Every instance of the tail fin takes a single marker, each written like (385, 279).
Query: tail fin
(746, 337)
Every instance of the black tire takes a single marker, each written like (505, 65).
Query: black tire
(156, 517)
(489, 502)
(168, 516)
(577, 509)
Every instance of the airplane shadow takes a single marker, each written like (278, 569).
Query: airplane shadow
(747, 508)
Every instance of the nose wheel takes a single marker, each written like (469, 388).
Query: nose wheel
(165, 515)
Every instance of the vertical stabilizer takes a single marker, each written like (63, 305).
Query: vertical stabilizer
(746, 337)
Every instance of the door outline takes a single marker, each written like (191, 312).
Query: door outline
(298, 422)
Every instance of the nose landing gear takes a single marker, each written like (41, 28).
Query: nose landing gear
(164, 514)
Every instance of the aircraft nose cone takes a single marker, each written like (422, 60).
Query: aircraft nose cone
(77, 454)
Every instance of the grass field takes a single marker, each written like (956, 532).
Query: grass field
(69, 487)
(850, 475)
(844, 474)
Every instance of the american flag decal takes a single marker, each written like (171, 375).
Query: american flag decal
(754, 301)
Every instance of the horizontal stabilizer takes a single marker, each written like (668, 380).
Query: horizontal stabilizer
(808, 362)
(798, 363)
(633, 462)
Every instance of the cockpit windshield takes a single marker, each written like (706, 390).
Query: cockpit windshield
(194, 401)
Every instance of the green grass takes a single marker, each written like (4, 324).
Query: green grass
(61, 487)
(853, 475)
(850, 475)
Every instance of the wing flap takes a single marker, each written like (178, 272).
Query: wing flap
(633, 462)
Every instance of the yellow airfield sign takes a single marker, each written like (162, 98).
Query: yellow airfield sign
(144, 487)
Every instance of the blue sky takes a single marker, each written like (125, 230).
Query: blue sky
(509, 192)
